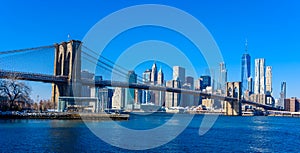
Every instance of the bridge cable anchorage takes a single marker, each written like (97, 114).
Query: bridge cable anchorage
(116, 65)
(26, 50)
(110, 67)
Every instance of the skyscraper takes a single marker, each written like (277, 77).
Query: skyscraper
(190, 81)
(118, 99)
(269, 80)
(246, 68)
(250, 85)
(160, 77)
(154, 73)
(223, 77)
(173, 99)
(205, 81)
(160, 95)
(282, 94)
(146, 93)
(130, 93)
(179, 73)
(259, 87)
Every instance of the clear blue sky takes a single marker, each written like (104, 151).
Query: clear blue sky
(271, 27)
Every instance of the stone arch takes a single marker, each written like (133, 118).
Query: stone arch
(229, 92)
(67, 64)
(59, 64)
(236, 92)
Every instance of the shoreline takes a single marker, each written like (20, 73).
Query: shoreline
(69, 116)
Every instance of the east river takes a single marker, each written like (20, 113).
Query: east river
(228, 134)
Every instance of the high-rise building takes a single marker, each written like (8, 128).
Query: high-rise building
(259, 86)
(179, 73)
(160, 77)
(246, 69)
(130, 93)
(187, 99)
(250, 85)
(105, 98)
(147, 80)
(154, 73)
(223, 77)
(173, 99)
(205, 81)
(160, 95)
(269, 80)
(282, 94)
(190, 81)
(118, 99)
(147, 76)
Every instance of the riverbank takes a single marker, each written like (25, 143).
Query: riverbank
(66, 116)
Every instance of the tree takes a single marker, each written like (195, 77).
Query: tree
(14, 91)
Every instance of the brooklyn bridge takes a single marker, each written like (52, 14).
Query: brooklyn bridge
(67, 81)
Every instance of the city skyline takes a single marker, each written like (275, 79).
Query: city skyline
(257, 29)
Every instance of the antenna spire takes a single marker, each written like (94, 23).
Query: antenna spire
(246, 46)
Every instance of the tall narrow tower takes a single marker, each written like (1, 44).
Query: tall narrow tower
(246, 68)
(223, 77)
(259, 87)
(269, 80)
(282, 93)
(160, 77)
(67, 63)
(154, 73)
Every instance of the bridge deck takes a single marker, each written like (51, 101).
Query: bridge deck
(4, 74)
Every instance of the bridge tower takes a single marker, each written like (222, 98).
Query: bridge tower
(233, 107)
(67, 63)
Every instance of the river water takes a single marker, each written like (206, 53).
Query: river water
(228, 134)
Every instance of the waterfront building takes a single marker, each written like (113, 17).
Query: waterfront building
(292, 104)
(179, 73)
(104, 96)
(118, 99)
(246, 69)
(259, 86)
(208, 103)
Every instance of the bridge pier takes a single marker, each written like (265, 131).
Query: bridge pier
(233, 107)
(67, 63)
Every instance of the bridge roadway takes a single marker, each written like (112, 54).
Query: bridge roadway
(4, 74)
